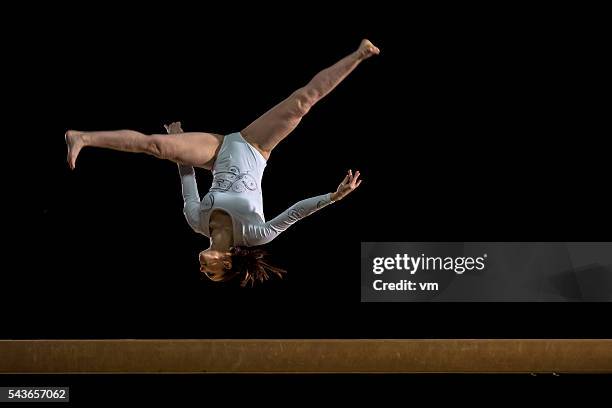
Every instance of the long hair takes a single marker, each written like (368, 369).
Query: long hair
(250, 264)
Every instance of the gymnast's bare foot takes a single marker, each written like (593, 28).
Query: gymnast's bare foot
(367, 49)
(74, 141)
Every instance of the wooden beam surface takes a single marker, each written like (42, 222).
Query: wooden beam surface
(306, 356)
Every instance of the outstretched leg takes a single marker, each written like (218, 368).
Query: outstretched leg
(274, 125)
(191, 148)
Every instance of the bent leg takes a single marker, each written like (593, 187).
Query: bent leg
(193, 148)
(273, 126)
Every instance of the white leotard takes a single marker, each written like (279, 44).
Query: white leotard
(236, 189)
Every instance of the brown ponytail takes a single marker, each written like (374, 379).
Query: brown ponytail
(250, 264)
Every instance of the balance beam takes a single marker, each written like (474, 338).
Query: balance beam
(306, 356)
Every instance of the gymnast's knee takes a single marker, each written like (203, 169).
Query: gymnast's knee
(158, 146)
(302, 100)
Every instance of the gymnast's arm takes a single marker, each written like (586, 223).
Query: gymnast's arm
(264, 233)
(191, 197)
(189, 186)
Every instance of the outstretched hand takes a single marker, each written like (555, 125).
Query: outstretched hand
(347, 186)
(174, 127)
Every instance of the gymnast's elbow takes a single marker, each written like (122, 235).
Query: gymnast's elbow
(261, 237)
(195, 226)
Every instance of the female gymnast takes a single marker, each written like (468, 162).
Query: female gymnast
(231, 213)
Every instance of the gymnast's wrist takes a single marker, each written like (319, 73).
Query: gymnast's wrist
(334, 196)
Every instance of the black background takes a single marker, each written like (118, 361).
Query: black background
(341, 389)
(472, 125)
